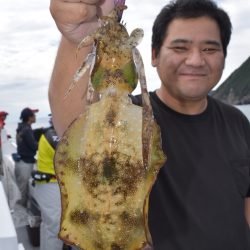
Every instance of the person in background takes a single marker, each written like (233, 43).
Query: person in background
(200, 200)
(26, 149)
(3, 116)
(46, 191)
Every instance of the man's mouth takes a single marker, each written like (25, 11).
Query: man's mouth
(192, 74)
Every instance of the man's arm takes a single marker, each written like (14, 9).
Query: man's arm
(74, 20)
(65, 110)
(247, 210)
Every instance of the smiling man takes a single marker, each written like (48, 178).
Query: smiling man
(189, 63)
(200, 198)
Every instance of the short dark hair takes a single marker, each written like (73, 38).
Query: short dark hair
(190, 9)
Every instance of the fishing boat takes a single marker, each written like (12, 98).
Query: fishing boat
(15, 220)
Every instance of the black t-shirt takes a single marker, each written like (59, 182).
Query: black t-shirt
(197, 202)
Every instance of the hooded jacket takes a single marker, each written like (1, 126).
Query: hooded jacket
(26, 143)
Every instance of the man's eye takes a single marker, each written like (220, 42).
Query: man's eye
(180, 49)
(210, 50)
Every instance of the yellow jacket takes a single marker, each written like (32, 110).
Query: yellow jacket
(45, 157)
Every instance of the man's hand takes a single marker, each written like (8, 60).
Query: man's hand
(78, 18)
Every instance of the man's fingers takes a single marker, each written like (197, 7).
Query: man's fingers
(81, 1)
(78, 18)
(72, 12)
(105, 7)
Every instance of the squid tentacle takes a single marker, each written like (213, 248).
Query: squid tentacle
(147, 112)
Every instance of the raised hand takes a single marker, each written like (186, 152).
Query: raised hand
(78, 18)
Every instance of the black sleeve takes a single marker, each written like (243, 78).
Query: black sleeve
(136, 100)
(51, 137)
(38, 133)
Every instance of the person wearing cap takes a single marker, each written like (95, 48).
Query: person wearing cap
(3, 116)
(26, 148)
(46, 191)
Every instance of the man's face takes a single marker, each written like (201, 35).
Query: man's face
(191, 59)
(33, 118)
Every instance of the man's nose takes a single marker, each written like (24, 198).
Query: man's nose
(195, 58)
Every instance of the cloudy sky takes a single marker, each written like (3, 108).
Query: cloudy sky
(29, 40)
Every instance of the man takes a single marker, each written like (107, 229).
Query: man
(26, 149)
(199, 200)
(46, 192)
(3, 116)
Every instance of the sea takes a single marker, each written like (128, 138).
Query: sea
(11, 126)
(43, 122)
(245, 109)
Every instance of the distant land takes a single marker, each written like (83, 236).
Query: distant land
(235, 89)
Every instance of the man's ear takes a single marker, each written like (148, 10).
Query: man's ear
(153, 58)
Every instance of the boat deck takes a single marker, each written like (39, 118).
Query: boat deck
(22, 237)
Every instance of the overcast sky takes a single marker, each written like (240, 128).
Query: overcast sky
(29, 40)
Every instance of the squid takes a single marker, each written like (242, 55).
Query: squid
(108, 159)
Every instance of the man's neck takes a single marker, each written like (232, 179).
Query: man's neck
(187, 107)
(29, 123)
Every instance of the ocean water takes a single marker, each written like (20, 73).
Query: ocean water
(11, 126)
(245, 109)
(44, 121)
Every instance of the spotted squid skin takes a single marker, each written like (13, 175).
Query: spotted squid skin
(104, 163)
